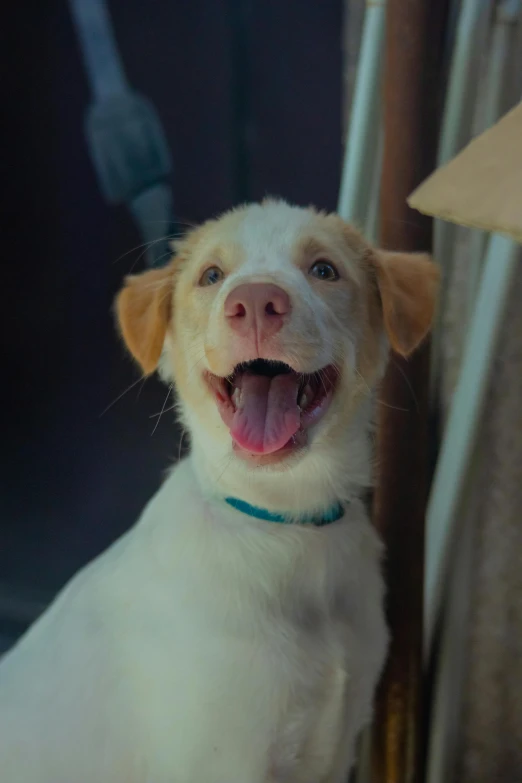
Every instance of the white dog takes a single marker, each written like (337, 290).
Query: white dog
(236, 633)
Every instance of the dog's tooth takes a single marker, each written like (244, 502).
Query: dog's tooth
(306, 397)
(236, 396)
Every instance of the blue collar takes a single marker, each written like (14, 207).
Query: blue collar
(332, 515)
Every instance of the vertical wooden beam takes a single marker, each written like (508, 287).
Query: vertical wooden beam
(411, 79)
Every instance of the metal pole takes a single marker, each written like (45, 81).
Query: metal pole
(361, 144)
(413, 51)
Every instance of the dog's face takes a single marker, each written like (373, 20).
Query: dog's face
(274, 322)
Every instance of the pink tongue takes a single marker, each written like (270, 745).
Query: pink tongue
(267, 414)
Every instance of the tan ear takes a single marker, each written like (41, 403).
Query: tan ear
(408, 286)
(143, 309)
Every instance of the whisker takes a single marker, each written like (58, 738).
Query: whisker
(225, 468)
(392, 407)
(394, 221)
(128, 389)
(145, 245)
(162, 410)
(179, 222)
(192, 369)
(320, 374)
(185, 223)
(141, 387)
(141, 255)
(183, 433)
(363, 379)
(410, 387)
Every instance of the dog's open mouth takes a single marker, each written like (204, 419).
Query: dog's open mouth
(268, 406)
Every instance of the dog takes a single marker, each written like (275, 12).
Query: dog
(236, 634)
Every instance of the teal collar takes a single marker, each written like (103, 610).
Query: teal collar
(332, 515)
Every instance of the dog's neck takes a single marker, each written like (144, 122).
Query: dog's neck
(331, 473)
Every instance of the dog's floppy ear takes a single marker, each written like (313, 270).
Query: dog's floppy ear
(408, 286)
(143, 310)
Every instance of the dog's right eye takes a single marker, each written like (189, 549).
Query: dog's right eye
(211, 276)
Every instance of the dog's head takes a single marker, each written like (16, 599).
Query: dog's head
(274, 322)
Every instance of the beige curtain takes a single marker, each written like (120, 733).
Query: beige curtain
(488, 745)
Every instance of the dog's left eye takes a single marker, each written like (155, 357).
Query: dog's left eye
(324, 270)
(211, 276)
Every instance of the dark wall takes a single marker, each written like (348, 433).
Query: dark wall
(250, 99)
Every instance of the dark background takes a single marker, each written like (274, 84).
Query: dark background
(249, 94)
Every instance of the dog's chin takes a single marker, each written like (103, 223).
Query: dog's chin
(272, 410)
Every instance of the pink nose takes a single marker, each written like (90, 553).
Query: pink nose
(258, 307)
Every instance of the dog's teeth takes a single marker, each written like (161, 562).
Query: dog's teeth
(306, 397)
(236, 397)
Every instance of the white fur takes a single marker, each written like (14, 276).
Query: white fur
(206, 646)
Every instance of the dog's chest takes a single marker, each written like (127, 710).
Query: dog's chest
(255, 692)
(268, 708)
(310, 715)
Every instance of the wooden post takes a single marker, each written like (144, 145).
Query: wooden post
(411, 80)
